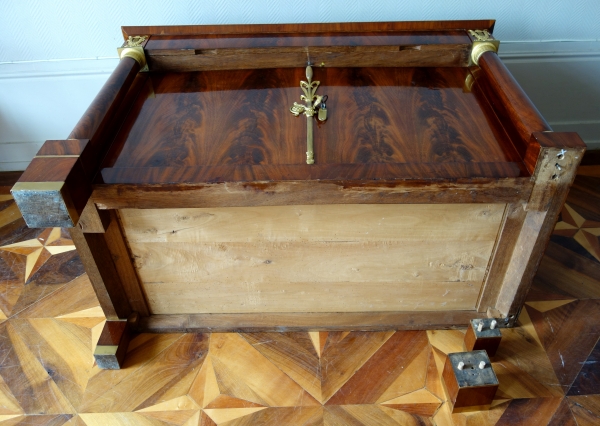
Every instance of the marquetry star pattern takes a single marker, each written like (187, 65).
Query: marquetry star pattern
(586, 232)
(26, 257)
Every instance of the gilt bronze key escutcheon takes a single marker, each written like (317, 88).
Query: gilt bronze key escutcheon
(314, 102)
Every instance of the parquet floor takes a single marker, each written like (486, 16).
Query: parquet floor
(548, 367)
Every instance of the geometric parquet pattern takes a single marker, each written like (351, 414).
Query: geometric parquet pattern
(50, 321)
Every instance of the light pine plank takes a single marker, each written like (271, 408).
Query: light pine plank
(313, 261)
(339, 222)
(233, 297)
(339, 258)
(347, 277)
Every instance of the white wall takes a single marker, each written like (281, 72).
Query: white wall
(55, 55)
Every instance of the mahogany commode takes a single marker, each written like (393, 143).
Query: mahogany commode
(435, 185)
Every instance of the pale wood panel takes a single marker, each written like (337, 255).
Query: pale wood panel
(340, 222)
(384, 261)
(327, 258)
(236, 297)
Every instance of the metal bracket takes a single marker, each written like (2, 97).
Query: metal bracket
(133, 48)
(502, 321)
(483, 42)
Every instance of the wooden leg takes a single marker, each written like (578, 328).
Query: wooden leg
(112, 346)
(114, 340)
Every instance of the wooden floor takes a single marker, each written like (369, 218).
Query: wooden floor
(548, 367)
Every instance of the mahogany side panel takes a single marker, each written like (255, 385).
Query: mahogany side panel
(107, 101)
(511, 103)
(309, 28)
(62, 147)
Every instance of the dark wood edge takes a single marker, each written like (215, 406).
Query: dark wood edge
(543, 207)
(123, 260)
(62, 147)
(106, 101)
(92, 220)
(100, 269)
(297, 172)
(511, 104)
(512, 222)
(7, 180)
(310, 192)
(327, 321)
(308, 28)
(449, 55)
(114, 334)
(450, 382)
(591, 158)
(539, 140)
(541, 243)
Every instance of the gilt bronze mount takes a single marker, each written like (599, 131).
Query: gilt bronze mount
(314, 103)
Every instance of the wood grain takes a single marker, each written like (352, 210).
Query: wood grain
(377, 115)
(370, 222)
(175, 297)
(62, 147)
(97, 260)
(7, 180)
(414, 54)
(566, 151)
(510, 101)
(586, 409)
(345, 27)
(93, 220)
(284, 322)
(272, 259)
(241, 194)
(122, 260)
(514, 217)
